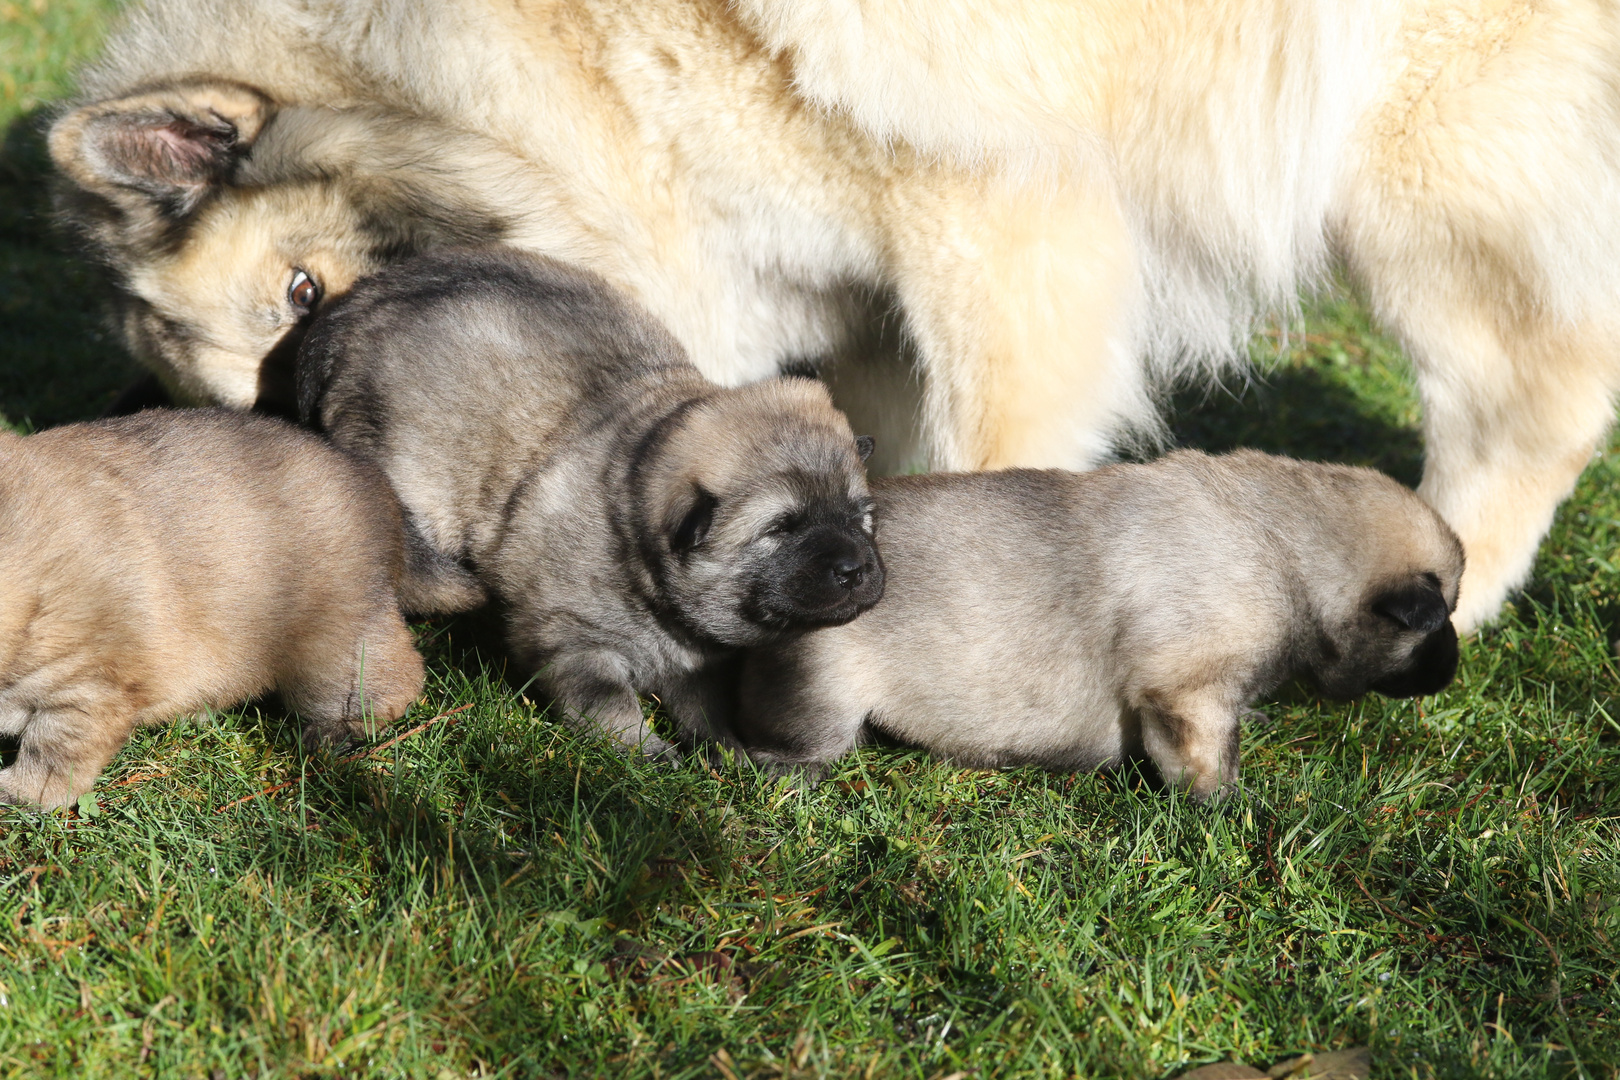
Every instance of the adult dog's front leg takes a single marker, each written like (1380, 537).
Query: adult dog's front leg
(1021, 300)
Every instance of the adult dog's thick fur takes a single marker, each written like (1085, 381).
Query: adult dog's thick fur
(1120, 181)
(1461, 157)
(1071, 619)
(175, 561)
(639, 522)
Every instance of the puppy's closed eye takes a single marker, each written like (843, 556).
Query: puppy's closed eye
(1416, 605)
(694, 527)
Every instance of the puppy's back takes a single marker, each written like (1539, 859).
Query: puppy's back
(218, 528)
(419, 327)
(456, 370)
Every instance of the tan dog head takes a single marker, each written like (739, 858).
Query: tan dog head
(229, 220)
(1382, 571)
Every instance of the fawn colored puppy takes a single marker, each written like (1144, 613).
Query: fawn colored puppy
(173, 561)
(1072, 619)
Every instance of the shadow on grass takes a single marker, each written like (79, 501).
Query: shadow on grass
(514, 804)
(59, 361)
(1299, 411)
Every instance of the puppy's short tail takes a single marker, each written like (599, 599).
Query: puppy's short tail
(433, 583)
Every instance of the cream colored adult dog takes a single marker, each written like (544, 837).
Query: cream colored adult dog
(1461, 157)
(1126, 184)
(174, 561)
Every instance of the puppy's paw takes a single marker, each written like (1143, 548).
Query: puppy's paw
(19, 789)
(658, 751)
(329, 735)
(1218, 794)
(796, 776)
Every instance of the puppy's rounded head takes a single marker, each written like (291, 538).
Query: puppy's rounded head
(757, 516)
(1386, 621)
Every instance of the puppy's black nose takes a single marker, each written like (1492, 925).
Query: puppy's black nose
(849, 571)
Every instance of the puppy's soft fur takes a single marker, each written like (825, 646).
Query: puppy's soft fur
(1106, 193)
(639, 522)
(1069, 620)
(175, 561)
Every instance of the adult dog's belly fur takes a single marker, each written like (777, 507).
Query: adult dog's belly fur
(663, 147)
(1462, 157)
(1103, 194)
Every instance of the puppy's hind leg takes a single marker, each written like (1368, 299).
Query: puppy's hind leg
(796, 716)
(63, 749)
(357, 684)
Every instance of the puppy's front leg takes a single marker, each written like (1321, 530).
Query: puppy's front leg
(596, 694)
(797, 713)
(703, 703)
(1193, 738)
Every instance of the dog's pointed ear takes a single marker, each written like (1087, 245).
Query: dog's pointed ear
(694, 526)
(1414, 605)
(167, 146)
(864, 445)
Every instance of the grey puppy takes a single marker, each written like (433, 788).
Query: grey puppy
(1069, 620)
(550, 439)
(175, 561)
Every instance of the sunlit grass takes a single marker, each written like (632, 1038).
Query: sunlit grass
(496, 895)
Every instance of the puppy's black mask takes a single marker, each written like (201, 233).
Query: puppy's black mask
(1421, 608)
(822, 574)
(1403, 645)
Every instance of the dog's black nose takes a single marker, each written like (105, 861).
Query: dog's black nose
(849, 571)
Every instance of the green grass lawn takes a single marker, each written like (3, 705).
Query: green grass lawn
(496, 896)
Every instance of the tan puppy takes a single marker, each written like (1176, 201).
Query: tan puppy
(1070, 620)
(170, 562)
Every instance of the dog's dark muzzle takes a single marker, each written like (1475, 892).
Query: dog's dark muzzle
(1429, 670)
(830, 577)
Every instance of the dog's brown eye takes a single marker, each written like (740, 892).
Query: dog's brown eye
(303, 293)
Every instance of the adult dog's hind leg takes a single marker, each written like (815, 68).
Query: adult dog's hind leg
(1482, 221)
(1514, 408)
(1508, 428)
(1019, 298)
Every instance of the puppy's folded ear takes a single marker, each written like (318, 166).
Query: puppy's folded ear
(1414, 605)
(163, 147)
(694, 525)
(864, 445)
